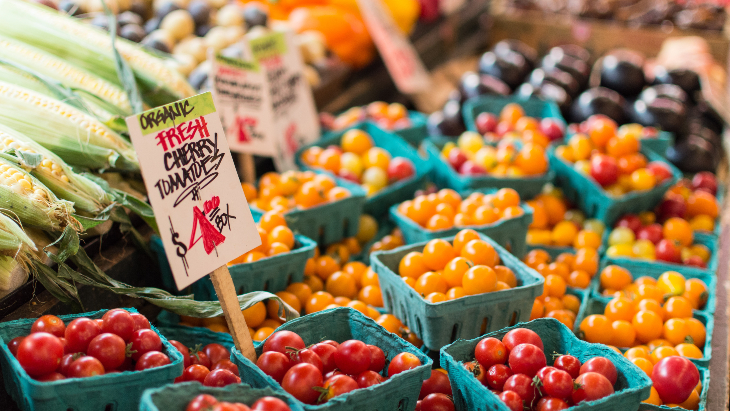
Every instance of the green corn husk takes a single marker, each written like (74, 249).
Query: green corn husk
(53, 172)
(15, 250)
(90, 48)
(78, 138)
(7, 266)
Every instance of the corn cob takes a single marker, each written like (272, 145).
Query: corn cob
(55, 174)
(27, 199)
(7, 266)
(63, 72)
(90, 48)
(78, 138)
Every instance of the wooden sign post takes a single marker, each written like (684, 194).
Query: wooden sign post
(199, 204)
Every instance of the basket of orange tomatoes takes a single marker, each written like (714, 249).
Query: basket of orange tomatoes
(409, 125)
(484, 115)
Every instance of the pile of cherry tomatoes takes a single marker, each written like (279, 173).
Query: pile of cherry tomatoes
(204, 402)
(276, 238)
(692, 200)
(393, 116)
(293, 190)
(515, 368)
(317, 373)
(555, 223)
(473, 156)
(119, 341)
(209, 365)
(512, 123)
(618, 282)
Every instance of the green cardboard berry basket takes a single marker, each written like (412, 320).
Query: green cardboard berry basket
(119, 391)
(533, 107)
(660, 144)
(632, 385)
(399, 392)
(177, 396)
(597, 305)
(442, 323)
(378, 204)
(704, 377)
(418, 131)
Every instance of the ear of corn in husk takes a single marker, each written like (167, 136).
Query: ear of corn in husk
(53, 172)
(8, 267)
(27, 199)
(90, 48)
(78, 138)
(15, 251)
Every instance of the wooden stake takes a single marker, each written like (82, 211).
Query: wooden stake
(247, 168)
(226, 292)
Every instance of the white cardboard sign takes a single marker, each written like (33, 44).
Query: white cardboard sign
(193, 187)
(241, 94)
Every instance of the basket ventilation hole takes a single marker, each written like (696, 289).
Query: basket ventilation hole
(418, 326)
(402, 405)
(513, 320)
(241, 290)
(403, 313)
(455, 332)
(266, 286)
(485, 325)
(508, 245)
(321, 236)
(70, 409)
(288, 280)
(345, 225)
(389, 298)
(109, 407)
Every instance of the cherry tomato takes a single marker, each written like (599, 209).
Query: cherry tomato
(66, 361)
(54, 376)
(274, 364)
(79, 334)
(526, 359)
(512, 400)
(140, 321)
(109, 349)
(558, 384)
(591, 386)
(226, 365)
(490, 351)
(300, 381)
(151, 359)
(49, 324)
(119, 322)
(85, 367)
(602, 366)
(551, 404)
(353, 357)
(668, 251)
(269, 404)
(183, 350)
(497, 375)
(674, 378)
(569, 364)
(544, 371)
(604, 169)
(438, 382)
(477, 371)
(227, 406)
(220, 378)
(199, 357)
(369, 378)
(280, 340)
(40, 353)
(216, 352)
(377, 359)
(13, 345)
(195, 372)
(523, 386)
(201, 402)
(338, 385)
(326, 354)
(306, 356)
(402, 362)
(521, 336)
(331, 342)
(144, 340)
(437, 402)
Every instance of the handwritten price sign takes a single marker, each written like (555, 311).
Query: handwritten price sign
(193, 187)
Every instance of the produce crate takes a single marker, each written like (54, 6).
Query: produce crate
(399, 392)
(533, 107)
(120, 391)
(176, 397)
(378, 204)
(632, 385)
(445, 176)
(660, 144)
(596, 305)
(704, 377)
(442, 323)
(330, 222)
(271, 273)
(592, 198)
(417, 132)
(510, 233)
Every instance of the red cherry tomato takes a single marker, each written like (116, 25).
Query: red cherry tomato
(49, 324)
(526, 359)
(521, 336)
(40, 353)
(226, 365)
(67, 360)
(306, 356)
(497, 375)
(201, 402)
(402, 362)
(54, 376)
(604, 169)
(195, 372)
(674, 378)
(477, 371)
(338, 385)
(85, 367)
(269, 404)
(220, 378)
(151, 359)
(326, 353)
(183, 350)
(280, 340)
(543, 372)
(119, 322)
(13, 345)
(400, 168)
(353, 357)
(79, 334)
(377, 359)
(274, 364)
(216, 352)
(558, 384)
(143, 341)
(602, 366)
(512, 400)
(569, 364)
(490, 351)
(199, 357)
(300, 381)
(668, 251)
(437, 402)
(591, 386)
(108, 348)
(523, 386)
(551, 404)
(438, 382)
(331, 342)
(140, 321)
(369, 378)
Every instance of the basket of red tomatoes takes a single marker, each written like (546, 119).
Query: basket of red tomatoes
(194, 397)
(92, 361)
(541, 365)
(338, 359)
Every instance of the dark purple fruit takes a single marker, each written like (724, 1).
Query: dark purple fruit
(254, 16)
(557, 58)
(156, 44)
(132, 32)
(198, 79)
(152, 25)
(201, 31)
(669, 91)
(448, 121)
(475, 85)
(504, 47)
(166, 9)
(598, 100)
(555, 76)
(688, 80)
(510, 67)
(200, 11)
(575, 51)
(622, 71)
(693, 155)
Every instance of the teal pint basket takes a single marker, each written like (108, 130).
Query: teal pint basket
(418, 130)
(329, 222)
(120, 391)
(510, 234)
(176, 397)
(399, 392)
(597, 305)
(445, 176)
(378, 204)
(192, 336)
(660, 144)
(593, 199)
(271, 273)
(704, 377)
(466, 317)
(533, 107)
(632, 385)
